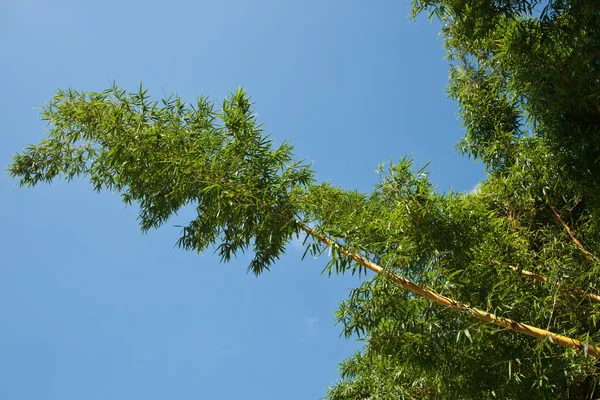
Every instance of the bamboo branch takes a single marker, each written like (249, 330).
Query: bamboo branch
(542, 278)
(455, 305)
(570, 232)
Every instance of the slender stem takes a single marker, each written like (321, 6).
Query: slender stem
(484, 316)
(542, 278)
(572, 235)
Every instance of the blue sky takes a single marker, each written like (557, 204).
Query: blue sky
(92, 309)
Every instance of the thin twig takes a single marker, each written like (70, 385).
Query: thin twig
(570, 232)
(542, 278)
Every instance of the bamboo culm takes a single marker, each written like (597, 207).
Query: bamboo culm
(484, 316)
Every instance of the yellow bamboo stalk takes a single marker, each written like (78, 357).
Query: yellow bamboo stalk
(484, 316)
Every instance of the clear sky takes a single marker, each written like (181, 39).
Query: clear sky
(92, 309)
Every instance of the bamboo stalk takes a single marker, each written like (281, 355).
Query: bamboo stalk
(484, 316)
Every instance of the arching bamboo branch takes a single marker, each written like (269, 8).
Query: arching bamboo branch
(484, 316)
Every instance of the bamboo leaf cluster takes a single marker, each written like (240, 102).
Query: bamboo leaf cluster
(169, 154)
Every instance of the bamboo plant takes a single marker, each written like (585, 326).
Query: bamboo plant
(475, 295)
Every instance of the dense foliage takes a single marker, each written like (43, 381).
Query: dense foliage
(526, 75)
(524, 245)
